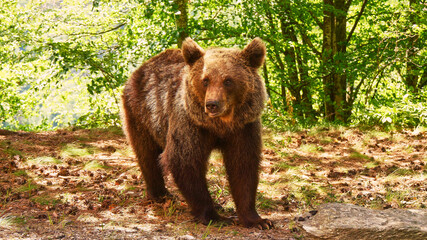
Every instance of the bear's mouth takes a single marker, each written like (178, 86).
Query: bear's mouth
(225, 113)
(214, 114)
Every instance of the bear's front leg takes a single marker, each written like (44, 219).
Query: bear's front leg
(186, 156)
(242, 156)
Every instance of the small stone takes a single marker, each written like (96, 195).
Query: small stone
(186, 237)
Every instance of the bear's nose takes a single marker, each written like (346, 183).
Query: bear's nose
(212, 106)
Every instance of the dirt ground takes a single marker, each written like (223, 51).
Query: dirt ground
(85, 184)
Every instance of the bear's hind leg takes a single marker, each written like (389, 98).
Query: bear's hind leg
(148, 160)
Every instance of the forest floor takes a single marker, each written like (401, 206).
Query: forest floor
(85, 184)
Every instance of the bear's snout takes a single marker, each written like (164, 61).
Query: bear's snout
(212, 106)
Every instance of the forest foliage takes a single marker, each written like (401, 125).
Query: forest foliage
(359, 62)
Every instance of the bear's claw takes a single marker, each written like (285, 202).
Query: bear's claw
(265, 224)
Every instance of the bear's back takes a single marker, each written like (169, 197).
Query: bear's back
(150, 91)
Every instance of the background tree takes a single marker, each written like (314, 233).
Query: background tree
(339, 92)
(181, 20)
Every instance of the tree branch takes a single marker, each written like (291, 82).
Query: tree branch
(307, 40)
(357, 20)
(319, 23)
(98, 33)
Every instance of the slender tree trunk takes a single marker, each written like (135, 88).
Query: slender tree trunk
(266, 81)
(284, 97)
(304, 85)
(327, 56)
(340, 62)
(181, 20)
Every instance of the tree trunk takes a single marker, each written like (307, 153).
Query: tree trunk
(337, 100)
(327, 56)
(340, 62)
(266, 81)
(181, 20)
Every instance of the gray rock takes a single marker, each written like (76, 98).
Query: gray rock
(348, 221)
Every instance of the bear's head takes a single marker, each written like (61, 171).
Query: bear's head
(220, 79)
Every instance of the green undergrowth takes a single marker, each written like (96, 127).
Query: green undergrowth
(44, 160)
(77, 150)
(95, 165)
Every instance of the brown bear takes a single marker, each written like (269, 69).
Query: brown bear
(182, 104)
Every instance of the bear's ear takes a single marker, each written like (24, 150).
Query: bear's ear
(254, 53)
(191, 51)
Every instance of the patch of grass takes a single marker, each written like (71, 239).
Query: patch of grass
(170, 208)
(378, 134)
(395, 196)
(308, 194)
(126, 152)
(409, 149)
(372, 164)
(20, 173)
(310, 148)
(322, 128)
(282, 166)
(77, 150)
(326, 140)
(328, 191)
(218, 191)
(129, 188)
(207, 231)
(264, 202)
(12, 152)
(95, 165)
(401, 172)
(397, 137)
(8, 221)
(359, 156)
(114, 130)
(45, 200)
(291, 176)
(28, 187)
(347, 133)
(45, 160)
(376, 203)
(277, 140)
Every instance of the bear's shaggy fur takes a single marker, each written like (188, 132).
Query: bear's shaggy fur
(182, 104)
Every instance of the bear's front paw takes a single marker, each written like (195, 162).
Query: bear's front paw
(260, 223)
(264, 224)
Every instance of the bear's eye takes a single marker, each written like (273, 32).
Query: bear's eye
(228, 82)
(205, 82)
